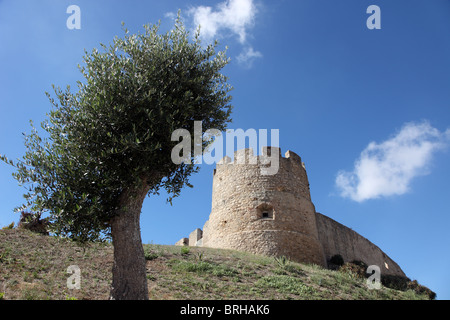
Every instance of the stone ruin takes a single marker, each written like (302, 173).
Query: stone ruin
(273, 215)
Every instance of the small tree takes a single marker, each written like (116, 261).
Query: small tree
(109, 144)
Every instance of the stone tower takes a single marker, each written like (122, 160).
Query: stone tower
(272, 214)
(264, 214)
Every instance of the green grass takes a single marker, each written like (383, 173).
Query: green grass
(202, 268)
(33, 267)
(286, 284)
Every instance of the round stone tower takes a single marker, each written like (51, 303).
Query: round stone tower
(269, 214)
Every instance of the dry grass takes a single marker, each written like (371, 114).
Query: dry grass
(34, 267)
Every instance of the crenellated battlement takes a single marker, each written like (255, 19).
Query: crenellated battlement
(270, 157)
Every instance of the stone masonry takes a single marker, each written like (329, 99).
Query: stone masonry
(273, 215)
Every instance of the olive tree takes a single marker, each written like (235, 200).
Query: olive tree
(108, 145)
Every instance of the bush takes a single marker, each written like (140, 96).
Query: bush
(358, 268)
(282, 261)
(185, 250)
(34, 223)
(360, 263)
(9, 226)
(414, 285)
(389, 281)
(150, 254)
(395, 282)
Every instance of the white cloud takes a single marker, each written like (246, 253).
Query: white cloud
(387, 168)
(247, 56)
(231, 17)
(170, 15)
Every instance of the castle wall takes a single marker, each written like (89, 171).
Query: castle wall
(194, 237)
(273, 215)
(339, 239)
(263, 214)
(182, 242)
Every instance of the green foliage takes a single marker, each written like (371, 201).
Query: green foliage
(405, 284)
(150, 255)
(285, 284)
(5, 256)
(2, 294)
(285, 266)
(358, 268)
(419, 289)
(114, 133)
(395, 282)
(153, 251)
(9, 226)
(202, 267)
(282, 261)
(401, 283)
(198, 256)
(185, 250)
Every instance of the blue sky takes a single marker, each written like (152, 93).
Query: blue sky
(367, 110)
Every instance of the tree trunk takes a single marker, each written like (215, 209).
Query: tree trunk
(129, 272)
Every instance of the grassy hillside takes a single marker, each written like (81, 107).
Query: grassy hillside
(34, 267)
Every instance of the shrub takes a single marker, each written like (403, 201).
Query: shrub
(357, 268)
(282, 261)
(9, 226)
(185, 250)
(33, 222)
(199, 256)
(149, 254)
(395, 282)
(414, 285)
